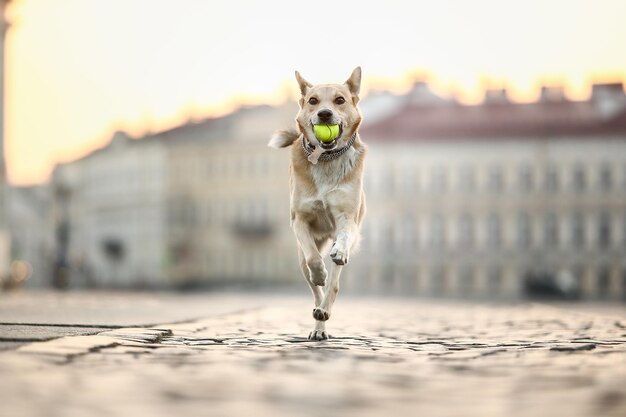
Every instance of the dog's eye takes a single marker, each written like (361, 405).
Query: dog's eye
(340, 100)
(313, 101)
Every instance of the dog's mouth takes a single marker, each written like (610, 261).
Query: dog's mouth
(330, 145)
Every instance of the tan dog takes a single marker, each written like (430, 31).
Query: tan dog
(327, 199)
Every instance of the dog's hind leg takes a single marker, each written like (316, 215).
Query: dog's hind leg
(322, 312)
(316, 290)
(312, 257)
(319, 332)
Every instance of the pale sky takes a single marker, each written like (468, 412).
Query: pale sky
(77, 70)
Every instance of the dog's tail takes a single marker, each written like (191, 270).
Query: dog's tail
(283, 138)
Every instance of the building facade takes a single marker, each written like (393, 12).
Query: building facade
(498, 200)
(202, 204)
(228, 202)
(5, 236)
(109, 216)
(31, 243)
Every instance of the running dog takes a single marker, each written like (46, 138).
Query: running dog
(326, 186)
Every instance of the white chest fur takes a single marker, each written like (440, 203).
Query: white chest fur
(328, 175)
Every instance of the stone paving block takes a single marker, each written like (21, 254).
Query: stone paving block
(70, 346)
(17, 332)
(10, 345)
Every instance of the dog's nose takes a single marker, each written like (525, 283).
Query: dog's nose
(324, 115)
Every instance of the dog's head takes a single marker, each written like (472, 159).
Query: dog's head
(330, 104)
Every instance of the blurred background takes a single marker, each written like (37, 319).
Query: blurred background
(134, 139)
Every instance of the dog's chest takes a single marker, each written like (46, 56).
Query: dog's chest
(331, 186)
(330, 175)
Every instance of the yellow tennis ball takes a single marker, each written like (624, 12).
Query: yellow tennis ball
(326, 133)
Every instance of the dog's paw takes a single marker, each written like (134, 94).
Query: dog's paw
(320, 314)
(318, 335)
(339, 254)
(318, 274)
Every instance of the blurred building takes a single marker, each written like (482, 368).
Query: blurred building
(32, 243)
(205, 203)
(108, 214)
(5, 237)
(229, 203)
(499, 199)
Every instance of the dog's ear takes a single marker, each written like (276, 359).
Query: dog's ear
(354, 82)
(304, 84)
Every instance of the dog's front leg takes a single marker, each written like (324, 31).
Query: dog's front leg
(345, 239)
(340, 252)
(322, 312)
(319, 333)
(312, 257)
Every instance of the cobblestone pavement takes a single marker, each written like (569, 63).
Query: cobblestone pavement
(30, 316)
(401, 357)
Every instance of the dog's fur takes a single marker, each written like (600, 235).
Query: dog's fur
(327, 199)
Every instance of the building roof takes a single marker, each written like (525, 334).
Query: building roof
(497, 117)
(203, 131)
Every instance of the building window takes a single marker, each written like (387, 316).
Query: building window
(207, 215)
(494, 230)
(578, 272)
(551, 178)
(466, 280)
(437, 232)
(578, 229)
(494, 279)
(409, 180)
(551, 230)
(495, 182)
(524, 230)
(408, 230)
(366, 236)
(438, 280)
(438, 180)
(389, 278)
(389, 181)
(388, 237)
(604, 278)
(604, 230)
(525, 178)
(466, 231)
(624, 232)
(260, 212)
(467, 179)
(606, 178)
(262, 165)
(579, 178)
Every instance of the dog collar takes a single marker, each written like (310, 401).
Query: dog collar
(327, 155)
